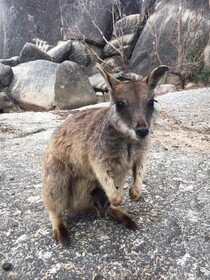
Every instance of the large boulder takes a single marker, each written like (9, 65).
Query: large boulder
(125, 34)
(79, 53)
(175, 34)
(6, 75)
(31, 52)
(87, 19)
(21, 21)
(7, 104)
(33, 85)
(61, 51)
(72, 87)
(13, 61)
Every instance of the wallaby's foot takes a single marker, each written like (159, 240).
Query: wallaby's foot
(61, 235)
(129, 223)
(116, 198)
(122, 217)
(135, 194)
(60, 232)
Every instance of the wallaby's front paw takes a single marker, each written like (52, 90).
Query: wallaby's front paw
(135, 194)
(129, 223)
(116, 199)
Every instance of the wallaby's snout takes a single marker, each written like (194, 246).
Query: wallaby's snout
(142, 131)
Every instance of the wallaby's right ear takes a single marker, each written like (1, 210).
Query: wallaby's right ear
(111, 81)
(155, 76)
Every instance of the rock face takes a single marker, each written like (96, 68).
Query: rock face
(163, 41)
(21, 21)
(72, 87)
(33, 85)
(83, 19)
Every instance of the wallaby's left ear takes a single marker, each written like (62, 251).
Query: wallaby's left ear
(155, 76)
(112, 82)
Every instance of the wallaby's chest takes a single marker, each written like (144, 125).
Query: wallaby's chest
(123, 157)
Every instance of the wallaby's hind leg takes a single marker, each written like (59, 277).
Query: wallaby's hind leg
(56, 190)
(59, 228)
(122, 217)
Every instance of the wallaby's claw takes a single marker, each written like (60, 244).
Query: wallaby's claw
(135, 194)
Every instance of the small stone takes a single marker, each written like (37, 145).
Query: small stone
(7, 266)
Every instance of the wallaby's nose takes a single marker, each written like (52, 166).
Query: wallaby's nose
(142, 131)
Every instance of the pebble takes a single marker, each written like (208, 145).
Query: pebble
(6, 266)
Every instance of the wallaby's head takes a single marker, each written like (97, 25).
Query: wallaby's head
(132, 103)
(100, 201)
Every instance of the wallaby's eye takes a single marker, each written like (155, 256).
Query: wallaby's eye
(151, 103)
(120, 104)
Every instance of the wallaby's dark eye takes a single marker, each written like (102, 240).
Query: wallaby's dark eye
(151, 103)
(120, 104)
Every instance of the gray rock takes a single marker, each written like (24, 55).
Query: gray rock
(98, 83)
(164, 88)
(113, 63)
(13, 61)
(7, 104)
(172, 241)
(87, 19)
(22, 21)
(186, 108)
(33, 85)
(61, 51)
(31, 52)
(125, 35)
(72, 87)
(6, 75)
(79, 54)
(131, 7)
(121, 46)
(125, 76)
(128, 25)
(158, 41)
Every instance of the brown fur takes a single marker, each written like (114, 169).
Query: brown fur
(99, 145)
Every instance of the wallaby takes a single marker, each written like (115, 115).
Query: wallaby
(99, 145)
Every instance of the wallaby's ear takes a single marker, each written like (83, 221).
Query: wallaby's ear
(155, 76)
(112, 82)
